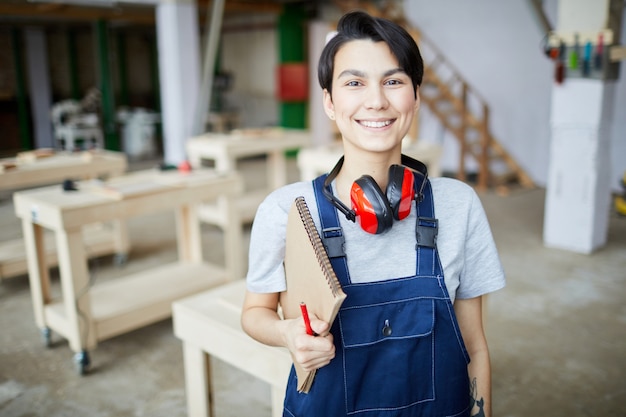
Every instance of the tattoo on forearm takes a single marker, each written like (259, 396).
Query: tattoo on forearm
(476, 403)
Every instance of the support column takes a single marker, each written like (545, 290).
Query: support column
(21, 92)
(122, 68)
(319, 124)
(39, 86)
(579, 184)
(210, 57)
(179, 70)
(109, 122)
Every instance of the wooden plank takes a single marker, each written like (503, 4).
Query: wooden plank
(62, 166)
(56, 209)
(617, 53)
(99, 241)
(124, 191)
(198, 385)
(241, 144)
(146, 297)
(246, 206)
(127, 303)
(582, 37)
(75, 283)
(200, 319)
(38, 276)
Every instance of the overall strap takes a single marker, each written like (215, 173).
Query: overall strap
(331, 233)
(426, 229)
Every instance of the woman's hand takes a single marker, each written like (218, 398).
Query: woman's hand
(311, 352)
(260, 320)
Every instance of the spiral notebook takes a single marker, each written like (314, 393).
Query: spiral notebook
(310, 277)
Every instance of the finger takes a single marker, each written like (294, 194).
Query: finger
(317, 361)
(311, 348)
(320, 327)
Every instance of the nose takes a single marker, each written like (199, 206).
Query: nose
(376, 98)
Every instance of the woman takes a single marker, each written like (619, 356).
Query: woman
(418, 254)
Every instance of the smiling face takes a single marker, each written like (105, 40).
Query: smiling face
(372, 100)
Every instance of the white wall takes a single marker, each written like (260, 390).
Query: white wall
(251, 55)
(496, 45)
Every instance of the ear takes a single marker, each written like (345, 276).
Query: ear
(329, 107)
(417, 99)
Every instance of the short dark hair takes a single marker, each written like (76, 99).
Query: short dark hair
(359, 25)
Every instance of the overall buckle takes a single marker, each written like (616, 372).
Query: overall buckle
(334, 242)
(426, 229)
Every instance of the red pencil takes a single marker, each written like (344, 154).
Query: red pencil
(307, 321)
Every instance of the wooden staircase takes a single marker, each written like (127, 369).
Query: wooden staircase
(459, 108)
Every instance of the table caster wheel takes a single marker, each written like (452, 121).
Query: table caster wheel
(120, 259)
(46, 337)
(82, 362)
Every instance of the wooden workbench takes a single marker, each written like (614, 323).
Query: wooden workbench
(89, 313)
(225, 149)
(318, 160)
(209, 325)
(37, 168)
(24, 171)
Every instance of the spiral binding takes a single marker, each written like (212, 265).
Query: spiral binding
(318, 246)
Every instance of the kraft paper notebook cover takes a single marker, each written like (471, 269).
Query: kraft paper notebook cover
(310, 277)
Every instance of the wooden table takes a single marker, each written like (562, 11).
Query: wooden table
(209, 325)
(27, 170)
(31, 172)
(225, 149)
(89, 313)
(315, 161)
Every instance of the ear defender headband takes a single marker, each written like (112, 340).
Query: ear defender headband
(374, 209)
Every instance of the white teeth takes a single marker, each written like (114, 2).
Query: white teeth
(376, 124)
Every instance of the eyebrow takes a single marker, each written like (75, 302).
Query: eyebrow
(357, 73)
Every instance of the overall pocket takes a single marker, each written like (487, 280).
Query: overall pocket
(388, 354)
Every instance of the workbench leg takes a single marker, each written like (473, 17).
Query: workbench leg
(233, 240)
(307, 173)
(189, 238)
(121, 241)
(198, 385)
(225, 162)
(194, 159)
(276, 169)
(278, 398)
(74, 275)
(38, 273)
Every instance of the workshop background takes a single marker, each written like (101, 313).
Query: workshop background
(525, 100)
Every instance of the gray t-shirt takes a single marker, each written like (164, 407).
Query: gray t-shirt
(466, 248)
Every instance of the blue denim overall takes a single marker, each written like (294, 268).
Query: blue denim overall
(399, 350)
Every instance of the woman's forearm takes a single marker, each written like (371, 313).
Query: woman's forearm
(260, 320)
(479, 371)
(470, 319)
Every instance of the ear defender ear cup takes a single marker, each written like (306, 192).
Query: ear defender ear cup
(374, 209)
(400, 191)
(370, 206)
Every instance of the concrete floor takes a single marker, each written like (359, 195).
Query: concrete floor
(557, 331)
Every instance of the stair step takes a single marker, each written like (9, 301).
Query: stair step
(445, 99)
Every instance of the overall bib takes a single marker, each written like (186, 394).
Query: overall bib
(399, 350)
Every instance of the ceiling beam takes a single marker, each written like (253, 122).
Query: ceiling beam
(123, 13)
(66, 13)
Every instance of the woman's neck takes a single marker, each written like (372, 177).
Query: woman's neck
(358, 163)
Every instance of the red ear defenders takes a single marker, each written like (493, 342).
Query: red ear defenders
(374, 209)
